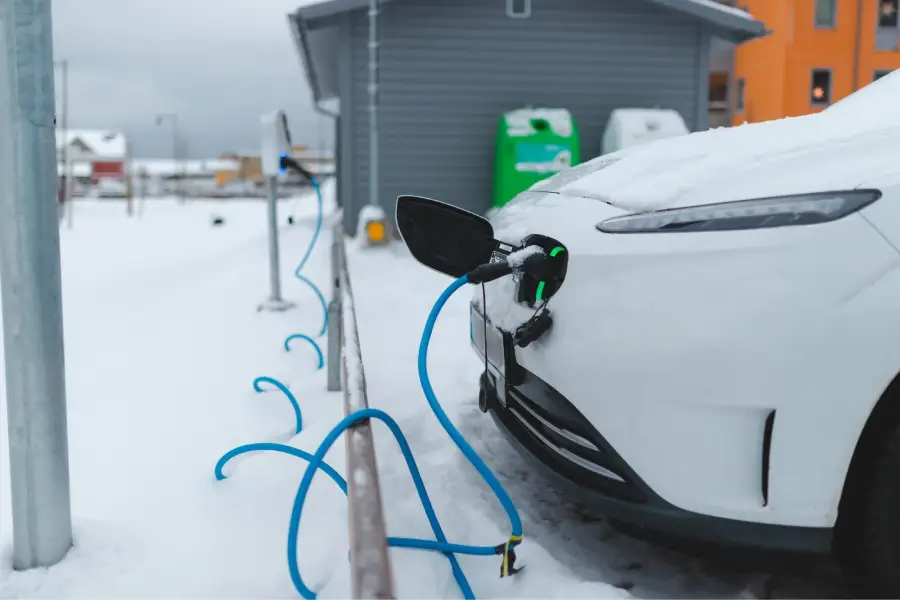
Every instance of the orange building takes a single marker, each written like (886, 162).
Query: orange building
(819, 51)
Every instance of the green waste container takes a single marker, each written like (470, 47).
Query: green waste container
(532, 144)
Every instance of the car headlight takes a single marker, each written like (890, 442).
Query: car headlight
(782, 211)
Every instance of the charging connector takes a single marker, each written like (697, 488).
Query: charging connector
(286, 163)
(489, 272)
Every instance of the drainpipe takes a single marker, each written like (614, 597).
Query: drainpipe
(373, 103)
(858, 46)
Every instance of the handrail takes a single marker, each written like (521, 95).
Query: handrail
(369, 560)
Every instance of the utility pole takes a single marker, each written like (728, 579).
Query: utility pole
(276, 144)
(129, 181)
(64, 125)
(176, 172)
(32, 288)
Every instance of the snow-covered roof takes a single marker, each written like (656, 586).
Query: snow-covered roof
(103, 143)
(76, 169)
(167, 166)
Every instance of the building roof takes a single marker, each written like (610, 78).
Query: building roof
(103, 143)
(156, 167)
(715, 11)
(726, 22)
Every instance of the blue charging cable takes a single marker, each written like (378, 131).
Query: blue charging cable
(440, 544)
(312, 243)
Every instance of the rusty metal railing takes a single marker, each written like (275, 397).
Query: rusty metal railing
(369, 560)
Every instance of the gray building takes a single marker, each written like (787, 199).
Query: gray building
(447, 70)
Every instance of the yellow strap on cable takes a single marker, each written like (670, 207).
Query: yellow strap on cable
(508, 566)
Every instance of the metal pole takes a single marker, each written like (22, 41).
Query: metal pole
(179, 183)
(176, 190)
(373, 102)
(64, 125)
(67, 168)
(129, 181)
(857, 44)
(334, 312)
(31, 288)
(274, 266)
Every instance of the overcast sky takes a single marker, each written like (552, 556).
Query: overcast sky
(218, 64)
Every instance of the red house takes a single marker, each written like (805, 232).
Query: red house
(93, 155)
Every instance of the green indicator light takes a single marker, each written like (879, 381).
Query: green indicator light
(540, 287)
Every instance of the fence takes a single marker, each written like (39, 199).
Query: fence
(369, 561)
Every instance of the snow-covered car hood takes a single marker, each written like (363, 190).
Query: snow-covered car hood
(851, 143)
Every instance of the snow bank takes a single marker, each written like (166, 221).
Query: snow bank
(520, 122)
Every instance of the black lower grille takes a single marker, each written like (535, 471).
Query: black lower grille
(573, 450)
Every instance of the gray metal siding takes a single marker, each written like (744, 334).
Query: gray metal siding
(343, 142)
(450, 68)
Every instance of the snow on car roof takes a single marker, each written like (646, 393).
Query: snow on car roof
(676, 167)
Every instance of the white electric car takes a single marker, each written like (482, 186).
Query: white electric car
(724, 352)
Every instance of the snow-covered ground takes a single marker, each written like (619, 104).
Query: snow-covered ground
(163, 342)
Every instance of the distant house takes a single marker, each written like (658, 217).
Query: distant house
(93, 155)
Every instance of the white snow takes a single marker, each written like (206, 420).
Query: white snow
(351, 354)
(517, 258)
(724, 8)
(855, 138)
(367, 214)
(520, 122)
(155, 167)
(163, 342)
(629, 127)
(102, 143)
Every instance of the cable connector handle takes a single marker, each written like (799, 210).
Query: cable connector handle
(489, 272)
(286, 162)
(540, 266)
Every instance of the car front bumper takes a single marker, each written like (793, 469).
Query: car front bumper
(560, 442)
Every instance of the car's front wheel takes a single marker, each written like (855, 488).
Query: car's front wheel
(872, 539)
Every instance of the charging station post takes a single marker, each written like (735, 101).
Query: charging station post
(276, 142)
(32, 288)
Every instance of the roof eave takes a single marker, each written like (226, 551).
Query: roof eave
(330, 8)
(297, 25)
(742, 36)
(732, 27)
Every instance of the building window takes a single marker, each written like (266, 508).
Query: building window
(739, 104)
(718, 93)
(518, 9)
(887, 13)
(826, 14)
(820, 92)
(880, 74)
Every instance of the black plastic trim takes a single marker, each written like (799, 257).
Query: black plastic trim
(634, 501)
(766, 455)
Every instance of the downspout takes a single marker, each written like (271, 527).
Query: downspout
(373, 103)
(858, 46)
